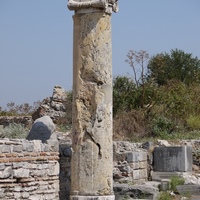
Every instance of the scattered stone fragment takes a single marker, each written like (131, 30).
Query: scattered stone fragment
(42, 129)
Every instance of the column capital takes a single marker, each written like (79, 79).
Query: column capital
(85, 6)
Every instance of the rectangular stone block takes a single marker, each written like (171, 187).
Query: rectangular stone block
(21, 173)
(158, 176)
(165, 184)
(5, 149)
(28, 146)
(139, 174)
(139, 165)
(172, 159)
(110, 197)
(17, 148)
(188, 189)
(136, 156)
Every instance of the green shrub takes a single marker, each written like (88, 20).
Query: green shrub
(15, 131)
(193, 122)
(124, 94)
(162, 127)
(64, 127)
(175, 181)
(165, 196)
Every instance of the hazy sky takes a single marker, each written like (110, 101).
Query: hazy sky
(36, 41)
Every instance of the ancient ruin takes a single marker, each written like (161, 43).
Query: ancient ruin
(92, 160)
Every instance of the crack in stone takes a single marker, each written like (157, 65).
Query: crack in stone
(96, 143)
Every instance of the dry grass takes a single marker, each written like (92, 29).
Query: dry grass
(129, 126)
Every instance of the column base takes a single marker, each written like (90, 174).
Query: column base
(77, 197)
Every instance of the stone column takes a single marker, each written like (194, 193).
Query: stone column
(92, 158)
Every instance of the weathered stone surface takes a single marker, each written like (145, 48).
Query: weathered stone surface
(136, 156)
(28, 146)
(158, 176)
(124, 146)
(53, 145)
(30, 173)
(47, 170)
(188, 189)
(17, 148)
(155, 184)
(130, 163)
(165, 184)
(92, 106)
(147, 145)
(41, 129)
(54, 107)
(6, 173)
(139, 165)
(163, 143)
(5, 149)
(93, 6)
(125, 191)
(21, 173)
(172, 159)
(191, 179)
(6, 120)
(111, 197)
(140, 174)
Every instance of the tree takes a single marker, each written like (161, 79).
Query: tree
(123, 93)
(25, 108)
(135, 59)
(177, 65)
(12, 107)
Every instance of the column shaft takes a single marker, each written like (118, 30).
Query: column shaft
(92, 161)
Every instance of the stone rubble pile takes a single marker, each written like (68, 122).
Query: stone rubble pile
(127, 191)
(54, 107)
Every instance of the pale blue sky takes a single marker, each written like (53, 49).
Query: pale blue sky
(36, 41)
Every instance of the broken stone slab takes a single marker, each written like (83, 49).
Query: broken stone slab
(188, 189)
(163, 143)
(110, 197)
(155, 184)
(191, 179)
(42, 129)
(136, 156)
(172, 159)
(158, 176)
(125, 191)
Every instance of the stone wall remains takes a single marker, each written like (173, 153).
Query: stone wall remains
(34, 170)
(29, 169)
(130, 163)
(25, 120)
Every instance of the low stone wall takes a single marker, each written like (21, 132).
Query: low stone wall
(25, 120)
(130, 163)
(29, 170)
(34, 170)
